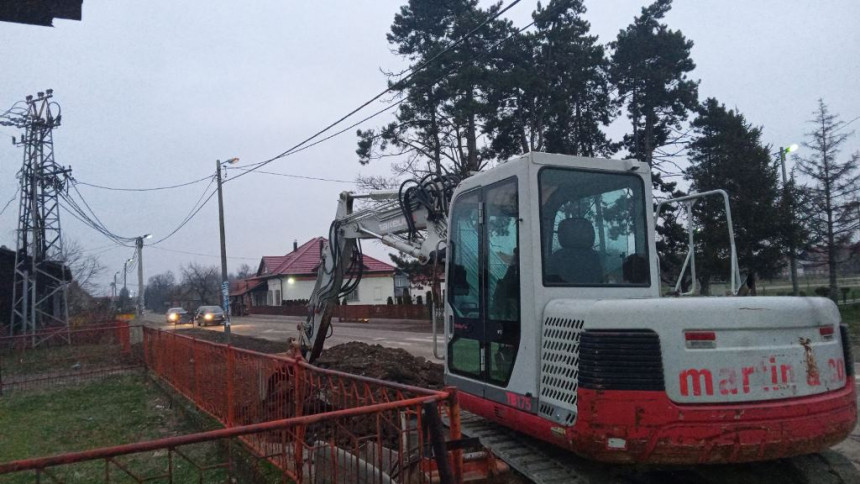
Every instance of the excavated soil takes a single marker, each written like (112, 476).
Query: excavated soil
(375, 361)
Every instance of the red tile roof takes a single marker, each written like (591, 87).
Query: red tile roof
(306, 259)
(242, 286)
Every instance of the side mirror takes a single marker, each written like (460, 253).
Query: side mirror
(459, 283)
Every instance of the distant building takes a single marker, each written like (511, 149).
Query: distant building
(291, 277)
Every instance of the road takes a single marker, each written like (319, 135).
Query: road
(413, 336)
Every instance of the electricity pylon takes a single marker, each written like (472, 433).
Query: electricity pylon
(41, 276)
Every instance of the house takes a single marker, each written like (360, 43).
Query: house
(292, 277)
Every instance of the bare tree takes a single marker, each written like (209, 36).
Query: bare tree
(244, 271)
(85, 268)
(834, 186)
(160, 290)
(201, 281)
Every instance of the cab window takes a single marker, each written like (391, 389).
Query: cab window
(593, 229)
(484, 282)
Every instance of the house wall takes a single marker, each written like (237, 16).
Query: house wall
(373, 289)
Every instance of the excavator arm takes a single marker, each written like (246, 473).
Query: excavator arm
(413, 220)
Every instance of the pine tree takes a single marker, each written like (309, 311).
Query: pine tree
(727, 153)
(552, 92)
(833, 192)
(438, 121)
(649, 68)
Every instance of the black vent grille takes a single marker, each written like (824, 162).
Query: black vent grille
(620, 360)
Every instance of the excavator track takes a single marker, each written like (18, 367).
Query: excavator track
(543, 463)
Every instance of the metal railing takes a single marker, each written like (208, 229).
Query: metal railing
(285, 420)
(62, 356)
(244, 387)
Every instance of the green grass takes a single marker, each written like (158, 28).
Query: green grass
(113, 411)
(851, 316)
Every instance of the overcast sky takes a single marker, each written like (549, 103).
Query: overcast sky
(154, 92)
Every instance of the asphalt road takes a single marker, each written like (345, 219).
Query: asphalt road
(413, 336)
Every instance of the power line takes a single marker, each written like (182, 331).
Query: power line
(411, 72)
(203, 255)
(10, 200)
(194, 210)
(150, 189)
(297, 176)
(303, 145)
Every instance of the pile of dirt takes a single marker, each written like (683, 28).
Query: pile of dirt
(376, 361)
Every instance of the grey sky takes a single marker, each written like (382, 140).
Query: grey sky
(154, 92)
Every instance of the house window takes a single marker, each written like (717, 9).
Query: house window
(353, 296)
(277, 297)
(269, 297)
(377, 293)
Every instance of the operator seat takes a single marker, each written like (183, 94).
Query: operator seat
(576, 262)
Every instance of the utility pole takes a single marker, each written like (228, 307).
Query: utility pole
(225, 284)
(138, 242)
(41, 278)
(795, 290)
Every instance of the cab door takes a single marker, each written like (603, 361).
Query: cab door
(484, 284)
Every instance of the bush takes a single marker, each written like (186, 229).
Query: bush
(428, 297)
(419, 301)
(407, 300)
(822, 291)
(390, 301)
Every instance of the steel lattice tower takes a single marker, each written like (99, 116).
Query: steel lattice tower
(41, 276)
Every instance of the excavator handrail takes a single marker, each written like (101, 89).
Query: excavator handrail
(691, 248)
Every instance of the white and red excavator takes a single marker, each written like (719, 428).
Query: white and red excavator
(554, 324)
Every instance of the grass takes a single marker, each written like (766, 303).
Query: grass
(851, 316)
(112, 411)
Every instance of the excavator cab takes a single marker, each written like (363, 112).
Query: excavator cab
(538, 225)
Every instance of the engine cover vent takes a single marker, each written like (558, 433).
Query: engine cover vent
(560, 369)
(621, 360)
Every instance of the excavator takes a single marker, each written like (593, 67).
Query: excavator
(554, 323)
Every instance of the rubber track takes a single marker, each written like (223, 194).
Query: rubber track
(543, 463)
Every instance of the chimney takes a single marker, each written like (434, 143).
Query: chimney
(295, 245)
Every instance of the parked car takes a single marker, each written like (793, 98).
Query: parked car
(207, 315)
(178, 316)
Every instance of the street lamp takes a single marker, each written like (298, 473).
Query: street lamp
(795, 290)
(139, 244)
(225, 285)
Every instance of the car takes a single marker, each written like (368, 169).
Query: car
(178, 316)
(207, 315)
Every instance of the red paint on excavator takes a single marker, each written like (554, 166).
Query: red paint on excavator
(646, 427)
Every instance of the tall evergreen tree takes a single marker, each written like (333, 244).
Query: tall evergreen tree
(833, 191)
(727, 153)
(438, 121)
(649, 69)
(552, 93)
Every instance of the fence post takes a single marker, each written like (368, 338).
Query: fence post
(195, 356)
(229, 376)
(299, 397)
(455, 431)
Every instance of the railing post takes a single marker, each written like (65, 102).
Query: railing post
(455, 431)
(229, 376)
(299, 397)
(195, 356)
